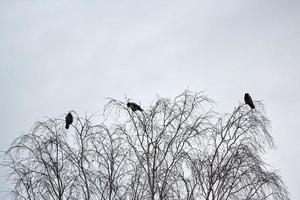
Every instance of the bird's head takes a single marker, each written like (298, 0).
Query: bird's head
(71, 111)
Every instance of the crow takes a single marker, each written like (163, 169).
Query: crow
(134, 107)
(69, 120)
(248, 100)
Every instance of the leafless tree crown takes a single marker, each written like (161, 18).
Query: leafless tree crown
(174, 149)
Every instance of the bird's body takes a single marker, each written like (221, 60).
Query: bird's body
(134, 107)
(69, 120)
(248, 101)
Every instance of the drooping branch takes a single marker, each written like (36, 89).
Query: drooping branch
(173, 149)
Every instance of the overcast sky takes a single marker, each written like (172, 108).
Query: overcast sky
(61, 55)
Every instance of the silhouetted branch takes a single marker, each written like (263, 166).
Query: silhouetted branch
(173, 149)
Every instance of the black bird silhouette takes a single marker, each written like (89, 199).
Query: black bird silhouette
(248, 100)
(69, 120)
(134, 107)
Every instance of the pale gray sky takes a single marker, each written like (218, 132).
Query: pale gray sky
(62, 55)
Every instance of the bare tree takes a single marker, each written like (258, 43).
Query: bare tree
(39, 168)
(228, 164)
(160, 137)
(174, 149)
(50, 163)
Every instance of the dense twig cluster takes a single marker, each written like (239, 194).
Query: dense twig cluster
(178, 149)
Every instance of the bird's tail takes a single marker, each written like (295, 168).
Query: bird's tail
(67, 126)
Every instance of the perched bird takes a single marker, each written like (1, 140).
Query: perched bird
(134, 107)
(69, 120)
(248, 100)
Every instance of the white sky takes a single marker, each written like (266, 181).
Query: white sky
(62, 55)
